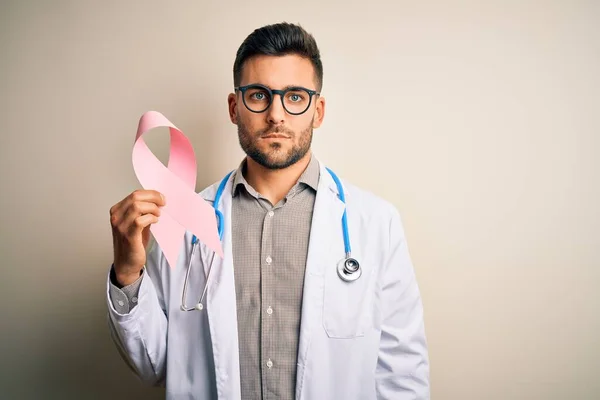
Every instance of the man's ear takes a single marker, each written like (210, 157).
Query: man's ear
(232, 106)
(319, 112)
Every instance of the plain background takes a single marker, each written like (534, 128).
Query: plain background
(479, 120)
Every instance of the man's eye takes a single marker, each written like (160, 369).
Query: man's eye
(258, 96)
(295, 97)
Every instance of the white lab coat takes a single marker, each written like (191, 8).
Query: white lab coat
(359, 340)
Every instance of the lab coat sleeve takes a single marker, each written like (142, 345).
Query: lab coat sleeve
(402, 371)
(141, 334)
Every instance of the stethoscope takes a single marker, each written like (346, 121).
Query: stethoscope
(348, 269)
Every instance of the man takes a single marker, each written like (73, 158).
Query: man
(278, 322)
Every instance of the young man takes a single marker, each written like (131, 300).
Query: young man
(284, 316)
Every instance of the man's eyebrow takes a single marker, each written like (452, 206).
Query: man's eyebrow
(283, 88)
(293, 87)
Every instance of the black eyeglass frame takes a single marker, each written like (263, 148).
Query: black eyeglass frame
(273, 92)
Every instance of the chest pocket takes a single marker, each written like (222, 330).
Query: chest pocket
(347, 305)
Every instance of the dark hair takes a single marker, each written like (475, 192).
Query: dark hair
(279, 40)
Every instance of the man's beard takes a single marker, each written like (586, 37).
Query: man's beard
(267, 159)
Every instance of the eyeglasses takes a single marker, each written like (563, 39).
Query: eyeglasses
(258, 98)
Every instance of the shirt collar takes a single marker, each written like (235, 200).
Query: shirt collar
(309, 177)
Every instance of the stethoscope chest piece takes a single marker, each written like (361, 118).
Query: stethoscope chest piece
(349, 269)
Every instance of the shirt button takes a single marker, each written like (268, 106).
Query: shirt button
(269, 310)
(270, 363)
(121, 303)
(269, 260)
(134, 299)
(271, 213)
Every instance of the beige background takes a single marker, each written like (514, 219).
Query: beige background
(478, 120)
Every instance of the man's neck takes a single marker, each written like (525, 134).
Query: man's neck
(274, 184)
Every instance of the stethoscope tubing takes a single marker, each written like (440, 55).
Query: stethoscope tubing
(199, 305)
(342, 195)
(348, 269)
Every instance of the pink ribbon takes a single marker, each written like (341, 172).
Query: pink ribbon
(184, 209)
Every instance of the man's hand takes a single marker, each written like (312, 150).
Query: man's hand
(130, 220)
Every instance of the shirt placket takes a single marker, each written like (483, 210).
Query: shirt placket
(268, 355)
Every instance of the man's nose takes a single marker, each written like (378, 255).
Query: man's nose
(276, 113)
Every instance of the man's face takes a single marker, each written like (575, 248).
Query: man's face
(275, 138)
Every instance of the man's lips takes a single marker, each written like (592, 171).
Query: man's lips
(275, 136)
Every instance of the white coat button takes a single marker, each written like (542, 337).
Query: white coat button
(269, 260)
(269, 310)
(270, 363)
(271, 213)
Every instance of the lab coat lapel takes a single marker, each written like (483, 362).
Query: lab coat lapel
(222, 309)
(326, 226)
(326, 248)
